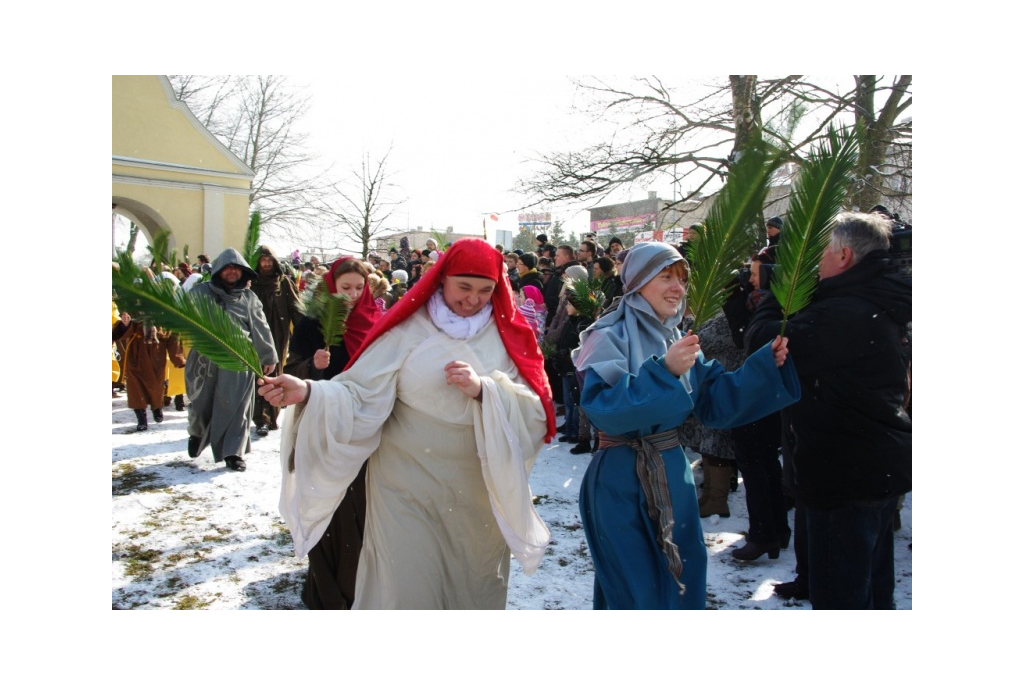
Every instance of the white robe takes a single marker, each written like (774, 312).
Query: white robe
(447, 482)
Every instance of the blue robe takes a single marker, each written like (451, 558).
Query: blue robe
(631, 571)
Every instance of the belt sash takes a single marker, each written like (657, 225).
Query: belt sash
(650, 469)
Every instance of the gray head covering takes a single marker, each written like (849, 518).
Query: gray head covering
(624, 338)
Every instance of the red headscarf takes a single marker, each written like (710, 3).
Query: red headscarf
(364, 312)
(475, 257)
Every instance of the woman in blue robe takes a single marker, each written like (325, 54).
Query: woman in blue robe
(642, 379)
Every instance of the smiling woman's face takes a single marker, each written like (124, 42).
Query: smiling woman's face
(665, 292)
(467, 295)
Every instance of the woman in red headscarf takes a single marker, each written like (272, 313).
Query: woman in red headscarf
(333, 560)
(448, 404)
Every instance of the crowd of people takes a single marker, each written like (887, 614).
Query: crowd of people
(406, 448)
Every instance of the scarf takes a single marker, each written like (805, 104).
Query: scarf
(364, 312)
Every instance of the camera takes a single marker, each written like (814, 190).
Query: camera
(901, 246)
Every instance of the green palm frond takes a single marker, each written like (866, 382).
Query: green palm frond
(586, 295)
(158, 251)
(728, 234)
(251, 249)
(199, 321)
(334, 311)
(817, 199)
(330, 310)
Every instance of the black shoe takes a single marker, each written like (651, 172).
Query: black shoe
(193, 446)
(141, 427)
(582, 448)
(568, 438)
(755, 550)
(140, 418)
(158, 415)
(560, 429)
(262, 431)
(179, 403)
(167, 401)
(784, 539)
(272, 425)
(235, 463)
(794, 589)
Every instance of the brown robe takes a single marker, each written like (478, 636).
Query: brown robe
(144, 362)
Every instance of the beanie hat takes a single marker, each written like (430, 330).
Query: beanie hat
(775, 221)
(542, 238)
(576, 272)
(400, 276)
(529, 259)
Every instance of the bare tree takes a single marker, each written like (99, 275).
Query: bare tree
(364, 201)
(257, 118)
(693, 135)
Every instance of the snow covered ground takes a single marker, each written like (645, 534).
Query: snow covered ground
(189, 534)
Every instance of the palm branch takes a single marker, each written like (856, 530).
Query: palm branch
(331, 310)
(199, 321)
(817, 199)
(728, 235)
(251, 249)
(158, 251)
(586, 295)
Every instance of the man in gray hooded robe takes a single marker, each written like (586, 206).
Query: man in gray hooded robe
(222, 401)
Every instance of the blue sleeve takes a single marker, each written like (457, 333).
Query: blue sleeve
(756, 389)
(652, 401)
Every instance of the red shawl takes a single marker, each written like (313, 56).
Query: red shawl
(364, 312)
(475, 257)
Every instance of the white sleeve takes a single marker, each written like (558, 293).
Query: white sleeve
(332, 435)
(510, 429)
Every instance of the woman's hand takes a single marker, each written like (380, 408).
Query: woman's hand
(463, 377)
(283, 391)
(780, 350)
(322, 359)
(682, 355)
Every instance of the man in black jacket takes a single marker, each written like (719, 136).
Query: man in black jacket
(848, 439)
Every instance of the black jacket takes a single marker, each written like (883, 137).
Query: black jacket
(848, 438)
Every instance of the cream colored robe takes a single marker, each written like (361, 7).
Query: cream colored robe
(447, 482)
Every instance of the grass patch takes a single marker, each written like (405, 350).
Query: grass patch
(126, 479)
(191, 602)
(139, 561)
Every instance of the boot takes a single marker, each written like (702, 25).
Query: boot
(582, 448)
(179, 403)
(753, 550)
(734, 479)
(140, 416)
(158, 414)
(717, 473)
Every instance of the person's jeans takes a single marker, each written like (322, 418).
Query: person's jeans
(572, 414)
(850, 555)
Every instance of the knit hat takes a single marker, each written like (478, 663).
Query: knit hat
(776, 222)
(542, 238)
(576, 272)
(399, 276)
(532, 292)
(529, 259)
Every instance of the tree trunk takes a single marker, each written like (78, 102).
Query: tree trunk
(877, 137)
(746, 114)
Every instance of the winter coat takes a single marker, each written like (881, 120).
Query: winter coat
(849, 437)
